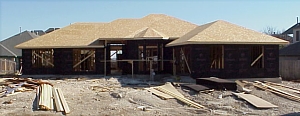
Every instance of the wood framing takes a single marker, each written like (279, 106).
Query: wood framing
(240, 61)
(84, 59)
(42, 58)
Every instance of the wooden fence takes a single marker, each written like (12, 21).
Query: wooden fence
(7, 67)
(289, 69)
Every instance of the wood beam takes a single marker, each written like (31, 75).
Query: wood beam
(105, 48)
(260, 56)
(114, 53)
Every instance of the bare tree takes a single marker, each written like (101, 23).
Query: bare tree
(271, 30)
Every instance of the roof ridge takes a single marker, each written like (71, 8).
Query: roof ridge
(208, 25)
(33, 35)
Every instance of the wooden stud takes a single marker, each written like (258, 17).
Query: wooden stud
(57, 101)
(105, 53)
(51, 97)
(174, 60)
(186, 61)
(43, 58)
(84, 59)
(63, 101)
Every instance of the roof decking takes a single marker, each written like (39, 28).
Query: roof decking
(81, 35)
(222, 32)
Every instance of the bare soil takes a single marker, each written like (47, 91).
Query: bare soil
(126, 96)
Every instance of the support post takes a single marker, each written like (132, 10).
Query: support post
(174, 60)
(105, 45)
(131, 68)
(162, 57)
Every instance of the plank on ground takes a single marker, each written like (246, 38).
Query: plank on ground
(255, 101)
(57, 101)
(183, 99)
(63, 101)
(158, 93)
(51, 97)
(278, 90)
(171, 88)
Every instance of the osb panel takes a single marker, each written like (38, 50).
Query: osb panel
(222, 32)
(83, 34)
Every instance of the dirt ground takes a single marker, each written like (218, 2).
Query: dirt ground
(125, 96)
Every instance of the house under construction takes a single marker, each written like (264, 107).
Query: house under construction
(157, 42)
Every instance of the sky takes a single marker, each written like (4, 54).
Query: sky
(43, 14)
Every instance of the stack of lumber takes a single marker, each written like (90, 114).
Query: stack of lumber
(283, 87)
(169, 91)
(45, 97)
(50, 98)
(271, 88)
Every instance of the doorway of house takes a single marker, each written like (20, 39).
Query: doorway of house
(116, 59)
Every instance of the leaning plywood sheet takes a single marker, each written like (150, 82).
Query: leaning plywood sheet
(158, 93)
(180, 97)
(255, 101)
(168, 86)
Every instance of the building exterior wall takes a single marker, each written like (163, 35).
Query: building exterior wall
(289, 58)
(295, 39)
(28, 68)
(63, 63)
(237, 62)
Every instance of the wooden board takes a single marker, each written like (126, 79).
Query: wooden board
(196, 87)
(158, 93)
(63, 101)
(217, 83)
(168, 86)
(57, 101)
(183, 99)
(255, 101)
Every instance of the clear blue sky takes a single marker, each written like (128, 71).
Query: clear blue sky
(35, 15)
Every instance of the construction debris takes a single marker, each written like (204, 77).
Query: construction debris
(17, 85)
(276, 91)
(217, 83)
(159, 94)
(169, 89)
(241, 87)
(284, 87)
(255, 101)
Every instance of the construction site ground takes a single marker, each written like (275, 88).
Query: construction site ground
(126, 96)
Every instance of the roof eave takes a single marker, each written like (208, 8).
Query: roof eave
(247, 43)
(53, 47)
